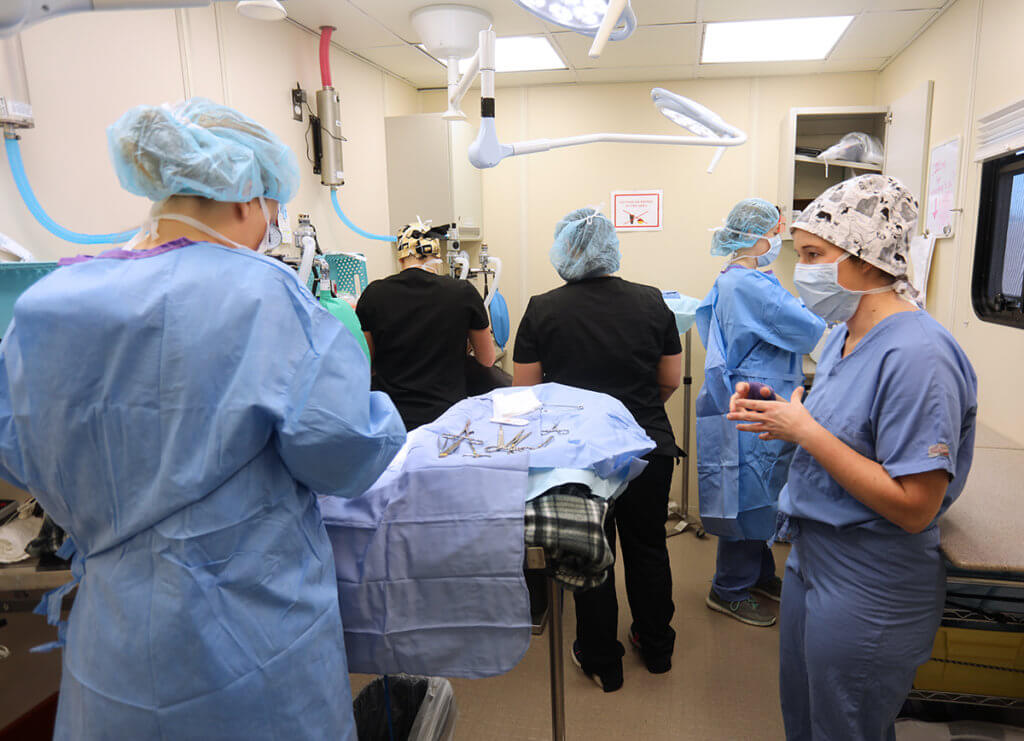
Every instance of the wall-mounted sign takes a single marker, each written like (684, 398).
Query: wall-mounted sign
(637, 210)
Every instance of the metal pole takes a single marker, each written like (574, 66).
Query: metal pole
(687, 384)
(557, 660)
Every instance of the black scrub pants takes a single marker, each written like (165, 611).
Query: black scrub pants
(639, 514)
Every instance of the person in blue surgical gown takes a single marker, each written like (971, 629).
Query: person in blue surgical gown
(753, 330)
(886, 440)
(173, 407)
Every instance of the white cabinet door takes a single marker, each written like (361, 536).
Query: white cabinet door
(467, 184)
(906, 139)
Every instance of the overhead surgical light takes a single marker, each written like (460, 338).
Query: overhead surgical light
(262, 10)
(603, 19)
(18, 14)
(695, 118)
(708, 128)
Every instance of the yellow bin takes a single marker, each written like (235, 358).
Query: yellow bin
(991, 648)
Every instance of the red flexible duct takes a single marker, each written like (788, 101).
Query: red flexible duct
(325, 55)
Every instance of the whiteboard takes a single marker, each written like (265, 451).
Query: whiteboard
(943, 174)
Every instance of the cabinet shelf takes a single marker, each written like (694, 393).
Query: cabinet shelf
(839, 163)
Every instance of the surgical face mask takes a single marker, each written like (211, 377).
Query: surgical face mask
(774, 248)
(763, 261)
(818, 286)
(430, 265)
(271, 237)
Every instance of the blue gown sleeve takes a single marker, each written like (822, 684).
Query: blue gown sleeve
(920, 412)
(336, 436)
(12, 464)
(792, 325)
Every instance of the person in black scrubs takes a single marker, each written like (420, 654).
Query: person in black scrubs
(417, 325)
(602, 333)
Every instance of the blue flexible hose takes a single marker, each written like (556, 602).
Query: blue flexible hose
(348, 222)
(21, 180)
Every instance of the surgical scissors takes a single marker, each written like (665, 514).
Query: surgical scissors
(510, 446)
(455, 441)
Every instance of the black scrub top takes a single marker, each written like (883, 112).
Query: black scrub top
(420, 324)
(609, 335)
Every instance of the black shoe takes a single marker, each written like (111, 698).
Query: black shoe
(746, 611)
(609, 680)
(655, 665)
(769, 589)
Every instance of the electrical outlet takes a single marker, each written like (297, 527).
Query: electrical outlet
(298, 98)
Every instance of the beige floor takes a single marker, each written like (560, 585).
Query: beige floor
(723, 684)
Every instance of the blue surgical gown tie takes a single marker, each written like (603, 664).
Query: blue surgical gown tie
(753, 330)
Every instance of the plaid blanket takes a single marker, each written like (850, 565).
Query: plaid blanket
(569, 524)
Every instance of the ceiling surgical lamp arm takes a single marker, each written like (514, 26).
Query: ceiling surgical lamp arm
(457, 88)
(611, 18)
(487, 151)
(543, 145)
(18, 14)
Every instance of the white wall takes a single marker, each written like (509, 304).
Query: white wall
(84, 71)
(973, 53)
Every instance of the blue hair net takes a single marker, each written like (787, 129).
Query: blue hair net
(200, 148)
(586, 246)
(751, 216)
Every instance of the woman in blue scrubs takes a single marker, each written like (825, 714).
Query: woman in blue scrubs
(885, 442)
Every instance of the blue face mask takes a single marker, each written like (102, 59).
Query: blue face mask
(818, 286)
(774, 248)
(763, 261)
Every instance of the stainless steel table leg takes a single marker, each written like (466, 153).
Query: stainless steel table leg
(557, 660)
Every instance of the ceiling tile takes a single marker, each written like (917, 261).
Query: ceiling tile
(880, 34)
(745, 10)
(636, 74)
(409, 62)
(355, 29)
(758, 69)
(649, 12)
(649, 46)
(868, 64)
(540, 77)
(772, 69)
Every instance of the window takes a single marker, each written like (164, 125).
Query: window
(998, 283)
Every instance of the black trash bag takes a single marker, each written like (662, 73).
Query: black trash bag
(480, 380)
(422, 709)
(45, 545)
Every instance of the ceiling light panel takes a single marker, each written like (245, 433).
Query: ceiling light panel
(525, 54)
(782, 40)
(520, 54)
